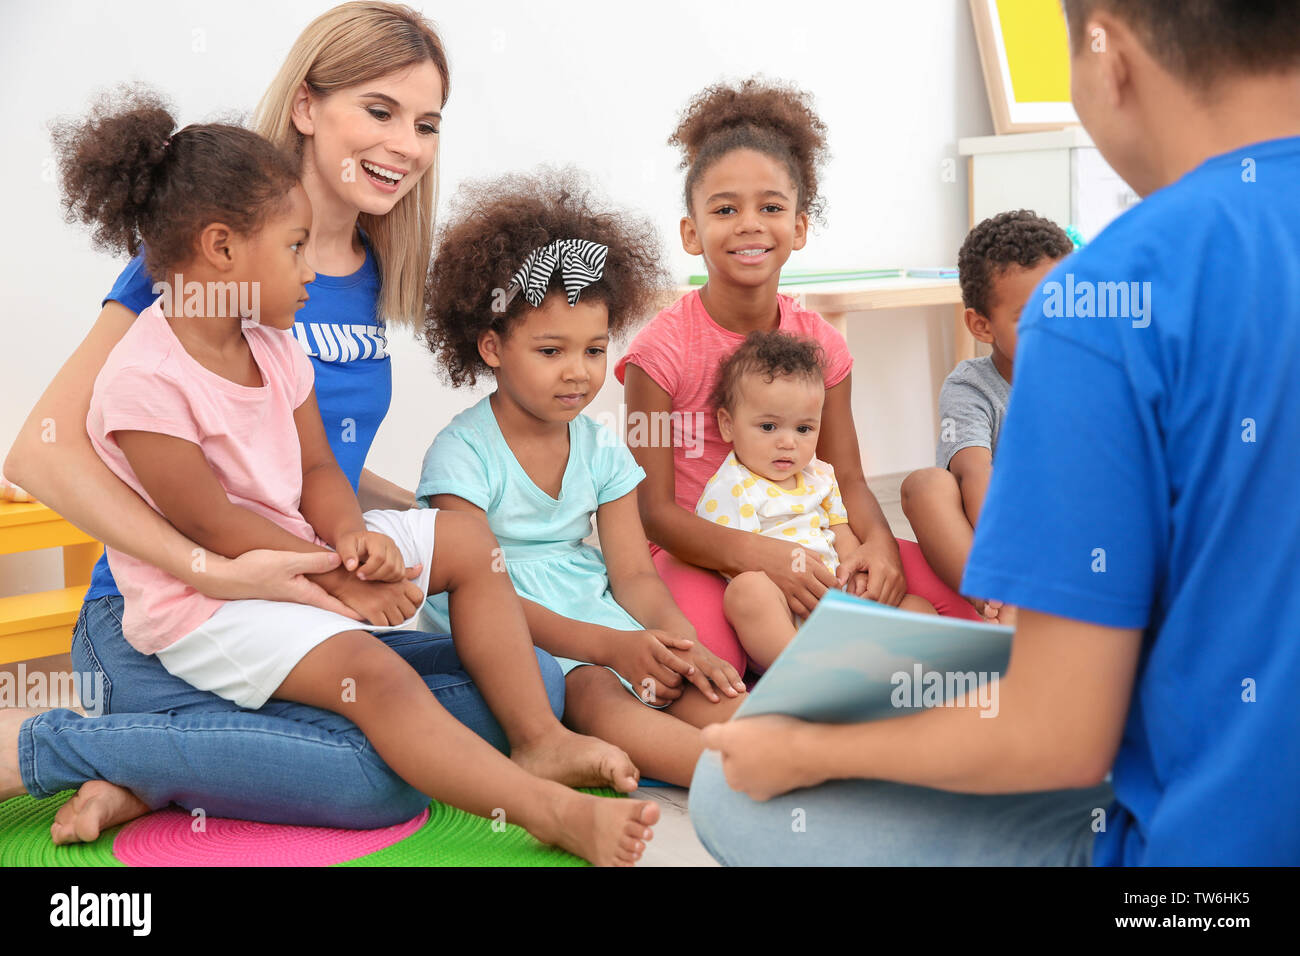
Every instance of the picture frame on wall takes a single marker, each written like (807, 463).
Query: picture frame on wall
(1025, 53)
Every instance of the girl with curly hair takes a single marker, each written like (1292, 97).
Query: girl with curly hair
(753, 154)
(210, 414)
(358, 101)
(531, 281)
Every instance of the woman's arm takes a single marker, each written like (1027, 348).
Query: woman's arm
(1053, 721)
(704, 543)
(838, 445)
(374, 492)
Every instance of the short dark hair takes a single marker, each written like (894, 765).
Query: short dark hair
(1200, 41)
(1019, 238)
(768, 354)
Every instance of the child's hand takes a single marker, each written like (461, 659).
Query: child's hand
(710, 669)
(857, 584)
(878, 559)
(373, 556)
(995, 612)
(380, 603)
(646, 660)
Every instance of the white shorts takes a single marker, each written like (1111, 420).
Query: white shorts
(247, 648)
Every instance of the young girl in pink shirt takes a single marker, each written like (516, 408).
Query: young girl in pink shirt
(206, 408)
(753, 155)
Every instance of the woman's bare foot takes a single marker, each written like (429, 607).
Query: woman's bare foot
(97, 806)
(604, 831)
(576, 760)
(11, 781)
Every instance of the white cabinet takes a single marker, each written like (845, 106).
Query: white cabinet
(1059, 175)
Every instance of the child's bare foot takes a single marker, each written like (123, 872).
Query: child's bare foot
(601, 830)
(11, 781)
(97, 806)
(576, 760)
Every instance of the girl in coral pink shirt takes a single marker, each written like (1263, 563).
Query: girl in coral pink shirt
(753, 154)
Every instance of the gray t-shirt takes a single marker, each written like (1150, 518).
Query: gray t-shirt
(972, 404)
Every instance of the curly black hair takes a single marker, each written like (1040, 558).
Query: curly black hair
(768, 354)
(775, 119)
(492, 227)
(127, 175)
(1010, 238)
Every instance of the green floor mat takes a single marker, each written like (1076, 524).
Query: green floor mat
(25, 836)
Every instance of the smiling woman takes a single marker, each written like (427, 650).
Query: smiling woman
(364, 85)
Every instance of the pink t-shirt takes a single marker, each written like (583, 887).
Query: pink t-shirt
(681, 349)
(150, 383)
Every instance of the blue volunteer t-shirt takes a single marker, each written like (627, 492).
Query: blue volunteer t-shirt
(340, 330)
(1146, 478)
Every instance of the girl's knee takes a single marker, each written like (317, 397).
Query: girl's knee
(926, 483)
(464, 547)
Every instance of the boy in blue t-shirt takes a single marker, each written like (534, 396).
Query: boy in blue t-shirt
(1142, 513)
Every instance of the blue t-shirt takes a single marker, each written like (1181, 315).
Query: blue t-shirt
(1146, 479)
(341, 332)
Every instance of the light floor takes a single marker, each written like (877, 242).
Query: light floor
(674, 843)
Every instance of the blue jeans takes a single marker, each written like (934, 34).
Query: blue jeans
(878, 823)
(167, 742)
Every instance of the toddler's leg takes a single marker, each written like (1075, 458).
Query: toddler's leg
(932, 503)
(664, 743)
(761, 616)
(492, 639)
(356, 675)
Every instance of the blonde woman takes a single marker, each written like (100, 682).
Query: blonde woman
(359, 99)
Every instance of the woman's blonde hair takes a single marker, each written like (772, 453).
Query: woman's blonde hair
(350, 44)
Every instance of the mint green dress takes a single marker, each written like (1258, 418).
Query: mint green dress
(540, 536)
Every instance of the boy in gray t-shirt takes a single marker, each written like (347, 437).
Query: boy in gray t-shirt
(1000, 264)
(971, 405)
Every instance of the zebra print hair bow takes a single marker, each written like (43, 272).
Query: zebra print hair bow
(580, 262)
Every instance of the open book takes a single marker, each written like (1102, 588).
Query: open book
(855, 660)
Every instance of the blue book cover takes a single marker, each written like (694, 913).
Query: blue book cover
(855, 660)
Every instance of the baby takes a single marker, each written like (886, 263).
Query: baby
(769, 398)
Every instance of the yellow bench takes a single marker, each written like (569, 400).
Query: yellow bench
(38, 625)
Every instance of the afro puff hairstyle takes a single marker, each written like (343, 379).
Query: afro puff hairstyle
(491, 228)
(771, 118)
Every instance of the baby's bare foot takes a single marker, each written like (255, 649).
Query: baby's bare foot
(602, 830)
(97, 806)
(11, 781)
(576, 760)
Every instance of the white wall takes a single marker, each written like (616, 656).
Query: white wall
(896, 83)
